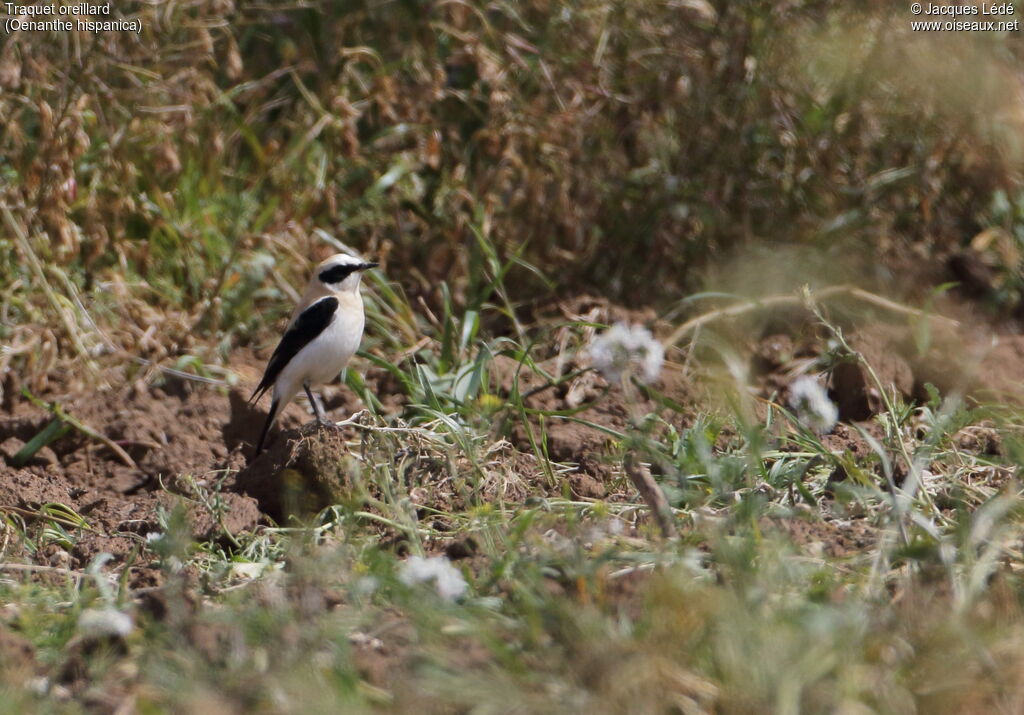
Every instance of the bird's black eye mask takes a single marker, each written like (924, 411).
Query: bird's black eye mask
(336, 274)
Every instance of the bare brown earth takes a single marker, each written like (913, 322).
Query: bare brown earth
(182, 433)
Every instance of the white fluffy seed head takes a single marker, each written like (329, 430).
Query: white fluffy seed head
(625, 349)
(812, 405)
(447, 579)
(96, 623)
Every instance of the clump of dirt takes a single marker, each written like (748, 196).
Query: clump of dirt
(770, 359)
(845, 439)
(773, 352)
(838, 538)
(25, 489)
(982, 439)
(999, 371)
(302, 472)
(967, 358)
(854, 389)
(586, 486)
(17, 654)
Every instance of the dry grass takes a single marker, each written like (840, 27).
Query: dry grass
(172, 178)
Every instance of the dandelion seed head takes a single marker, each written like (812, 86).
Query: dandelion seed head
(627, 348)
(447, 579)
(812, 405)
(104, 623)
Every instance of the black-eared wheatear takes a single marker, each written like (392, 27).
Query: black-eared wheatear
(323, 334)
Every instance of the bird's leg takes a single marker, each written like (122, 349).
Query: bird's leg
(318, 410)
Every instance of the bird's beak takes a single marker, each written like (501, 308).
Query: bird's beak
(366, 266)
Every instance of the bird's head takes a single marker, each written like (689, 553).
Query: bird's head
(341, 272)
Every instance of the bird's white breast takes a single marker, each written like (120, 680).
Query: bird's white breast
(328, 353)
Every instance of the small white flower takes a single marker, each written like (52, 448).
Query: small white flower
(247, 569)
(104, 623)
(809, 399)
(365, 585)
(447, 579)
(624, 347)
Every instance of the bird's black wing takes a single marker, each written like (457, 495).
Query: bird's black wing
(310, 323)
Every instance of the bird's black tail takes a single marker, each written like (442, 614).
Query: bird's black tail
(271, 416)
(260, 389)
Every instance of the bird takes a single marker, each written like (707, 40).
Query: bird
(323, 333)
